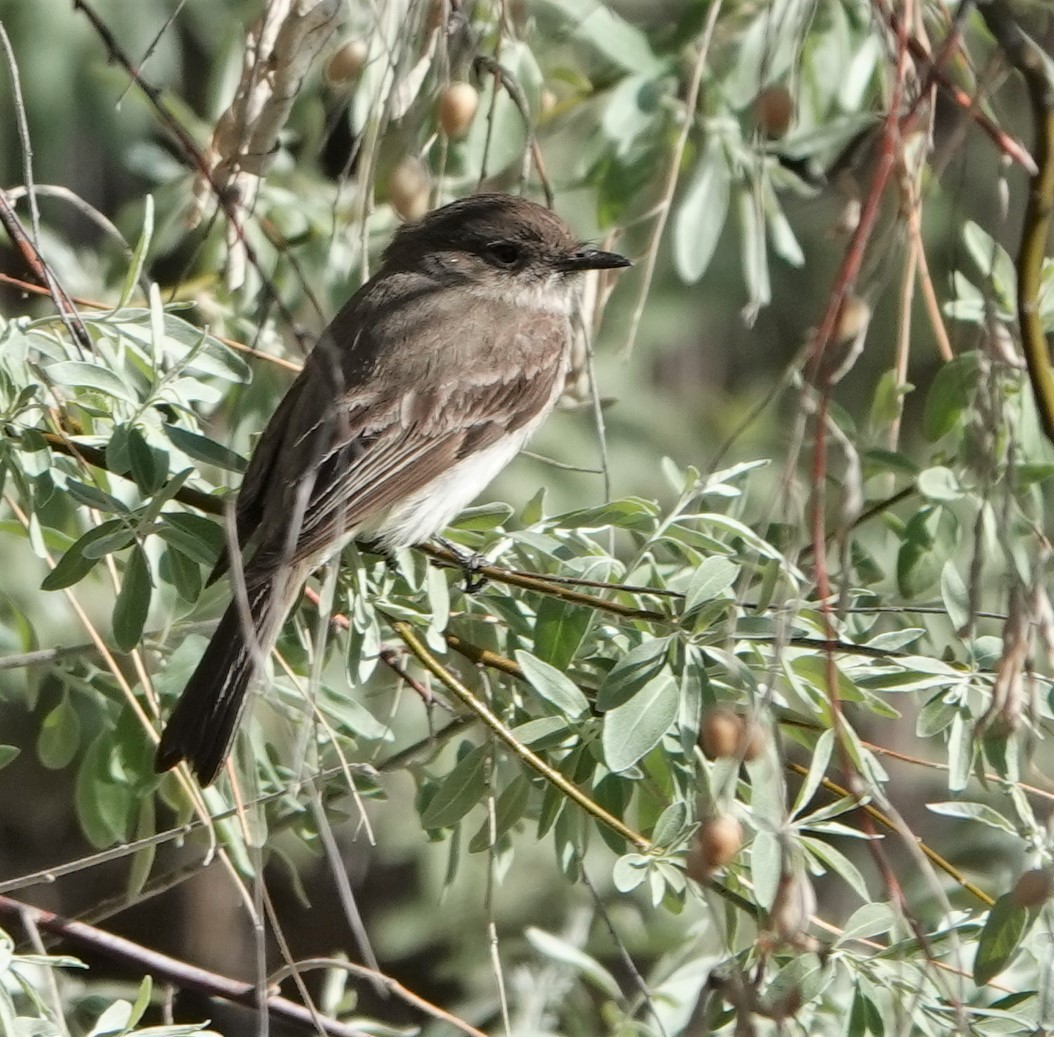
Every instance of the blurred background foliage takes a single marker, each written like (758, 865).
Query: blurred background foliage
(729, 149)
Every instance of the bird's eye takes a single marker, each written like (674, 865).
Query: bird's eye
(505, 253)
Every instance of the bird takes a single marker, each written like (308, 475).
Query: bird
(427, 382)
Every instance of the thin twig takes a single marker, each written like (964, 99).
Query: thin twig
(241, 347)
(496, 574)
(30, 249)
(503, 78)
(484, 713)
(212, 504)
(391, 985)
(89, 212)
(399, 760)
(191, 152)
(623, 951)
(1005, 143)
(887, 822)
(190, 977)
(1031, 63)
(691, 102)
(95, 456)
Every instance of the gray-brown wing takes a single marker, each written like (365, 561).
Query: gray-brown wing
(259, 475)
(378, 458)
(343, 357)
(375, 451)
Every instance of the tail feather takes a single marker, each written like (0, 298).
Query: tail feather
(203, 724)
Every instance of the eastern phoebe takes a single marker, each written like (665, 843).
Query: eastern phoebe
(424, 386)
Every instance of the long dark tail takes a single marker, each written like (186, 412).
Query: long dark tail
(203, 724)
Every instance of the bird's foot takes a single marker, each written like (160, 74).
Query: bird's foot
(471, 562)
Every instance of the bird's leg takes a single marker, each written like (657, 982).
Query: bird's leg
(471, 563)
(375, 547)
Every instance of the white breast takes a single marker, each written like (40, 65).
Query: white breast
(433, 507)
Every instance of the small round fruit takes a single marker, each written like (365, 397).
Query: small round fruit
(853, 320)
(793, 907)
(408, 189)
(1033, 888)
(774, 111)
(457, 108)
(347, 63)
(721, 732)
(724, 732)
(716, 843)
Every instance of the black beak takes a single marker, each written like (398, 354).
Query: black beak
(584, 258)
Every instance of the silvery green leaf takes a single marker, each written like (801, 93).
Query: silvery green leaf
(459, 792)
(710, 580)
(981, 812)
(955, 596)
(558, 950)
(634, 728)
(554, 687)
(836, 862)
(701, 214)
(596, 26)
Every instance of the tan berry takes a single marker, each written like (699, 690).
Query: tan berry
(725, 732)
(853, 320)
(457, 108)
(716, 843)
(408, 189)
(1033, 888)
(794, 905)
(774, 111)
(720, 732)
(347, 62)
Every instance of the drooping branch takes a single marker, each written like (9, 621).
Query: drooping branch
(1034, 66)
(184, 975)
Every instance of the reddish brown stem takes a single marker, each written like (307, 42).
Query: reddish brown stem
(161, 966)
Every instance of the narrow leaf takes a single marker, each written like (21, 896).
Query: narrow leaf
(1000, 939)
(201, 448)
(558, 631)
(631, 673)
(509, 808)
(554, 687)
(80, 374)
(949, 396)
(197, 537)
(702, 213)
(975, 812)
(711, 579)
(634, 728)
(135, 268)
(59, 736)
(74, 565)
(555, 949)
(459, 793)
(133, 602)
(955, 596)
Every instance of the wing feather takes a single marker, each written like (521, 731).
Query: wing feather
(399, 421)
